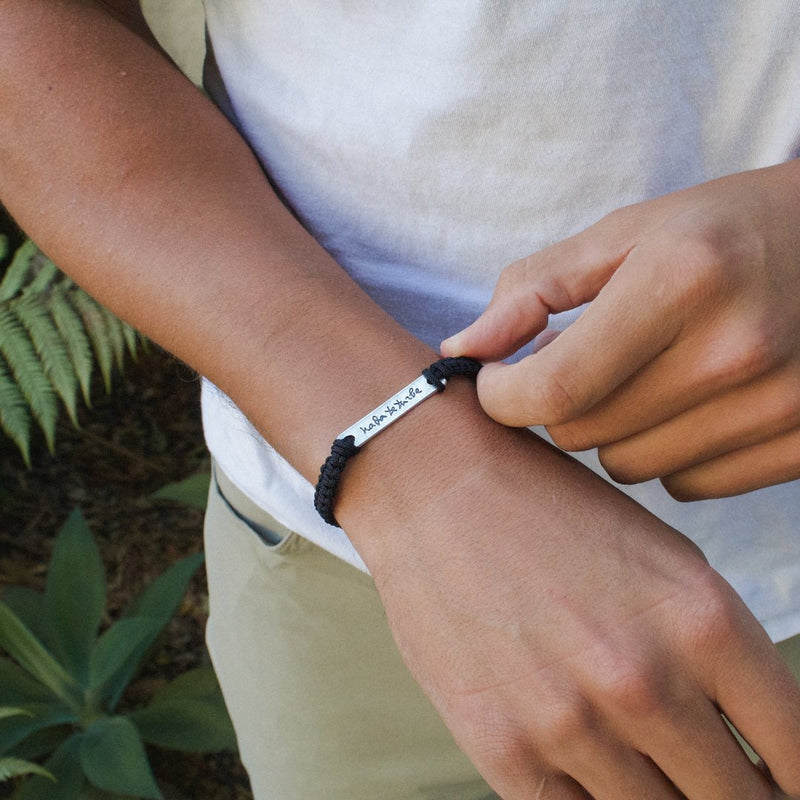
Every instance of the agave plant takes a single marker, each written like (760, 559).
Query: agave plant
(52, 334)
(67, 680)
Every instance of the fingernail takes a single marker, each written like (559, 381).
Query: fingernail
(451, 344)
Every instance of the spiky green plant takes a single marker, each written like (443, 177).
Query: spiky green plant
(68, 677)
(52, 336)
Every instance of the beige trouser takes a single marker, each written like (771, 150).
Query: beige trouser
(322, 704)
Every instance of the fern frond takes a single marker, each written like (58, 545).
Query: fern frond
(132, 341)
(51, 335)
(33, 312)
(95, 324)
(73, 334)
(116, 337)
(44, 272)
(21, 357)
(17, 271)
(15, 416)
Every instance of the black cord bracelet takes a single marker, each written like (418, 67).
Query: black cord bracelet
(349, 442)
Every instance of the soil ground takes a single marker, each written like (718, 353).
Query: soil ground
(143, 435)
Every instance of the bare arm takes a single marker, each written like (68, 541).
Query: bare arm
(559, 629)
(145, 194)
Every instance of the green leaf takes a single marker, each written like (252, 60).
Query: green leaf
(95, 324)
(65, 765)
(158, 601)
(20, 355)
(188, 714)
(70, 327)
(15, 767)
(192, 491)
(37, 717)
(132, 340)
(161, 598)
(116, 646)
(6, 711)
(33, 312)
(15, 417)
(116, 338)
(31, 654)
(43, 743)
(18, 688)
(28, 605)
(75, 595)
(44, 273)
(17, 272)
(114, 759)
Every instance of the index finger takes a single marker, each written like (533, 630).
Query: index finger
(630, 322)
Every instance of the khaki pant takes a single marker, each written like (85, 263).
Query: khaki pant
(322, 704)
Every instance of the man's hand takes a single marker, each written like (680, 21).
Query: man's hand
(574, 644)
(686, 364)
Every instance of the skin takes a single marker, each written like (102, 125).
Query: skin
(686, 365)
(575, 645)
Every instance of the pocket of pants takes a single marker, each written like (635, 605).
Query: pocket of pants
(275, 537)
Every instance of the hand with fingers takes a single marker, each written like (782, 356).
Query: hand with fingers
(575, 645)
(686, 363)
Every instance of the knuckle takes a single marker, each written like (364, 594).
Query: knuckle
(562, 724)
(745, 353)
(514, 275)
(714, 619)
(705, 263)
(631, 686)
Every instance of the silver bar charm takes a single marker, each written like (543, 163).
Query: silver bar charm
(386, 413)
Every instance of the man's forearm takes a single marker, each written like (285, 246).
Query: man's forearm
(139, 188)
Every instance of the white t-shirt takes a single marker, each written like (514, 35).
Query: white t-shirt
(428, 144)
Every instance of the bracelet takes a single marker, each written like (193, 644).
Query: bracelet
(350, 441)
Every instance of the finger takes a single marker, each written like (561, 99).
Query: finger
(620, 331)
(741, 417)
(766, 464)
(760, 696)
(713, 354)
(701, 757)
(609, 770)
(515, 314)
(558, 278)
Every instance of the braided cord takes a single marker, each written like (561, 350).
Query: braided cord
(344, 446)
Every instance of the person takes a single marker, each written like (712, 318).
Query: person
(573, 644)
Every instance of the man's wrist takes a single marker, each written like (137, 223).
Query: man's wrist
(418, 468)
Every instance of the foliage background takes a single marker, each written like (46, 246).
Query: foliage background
(145, 434)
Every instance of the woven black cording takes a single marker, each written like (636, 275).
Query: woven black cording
(436, 375)
(438, 372)
(329, 476)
